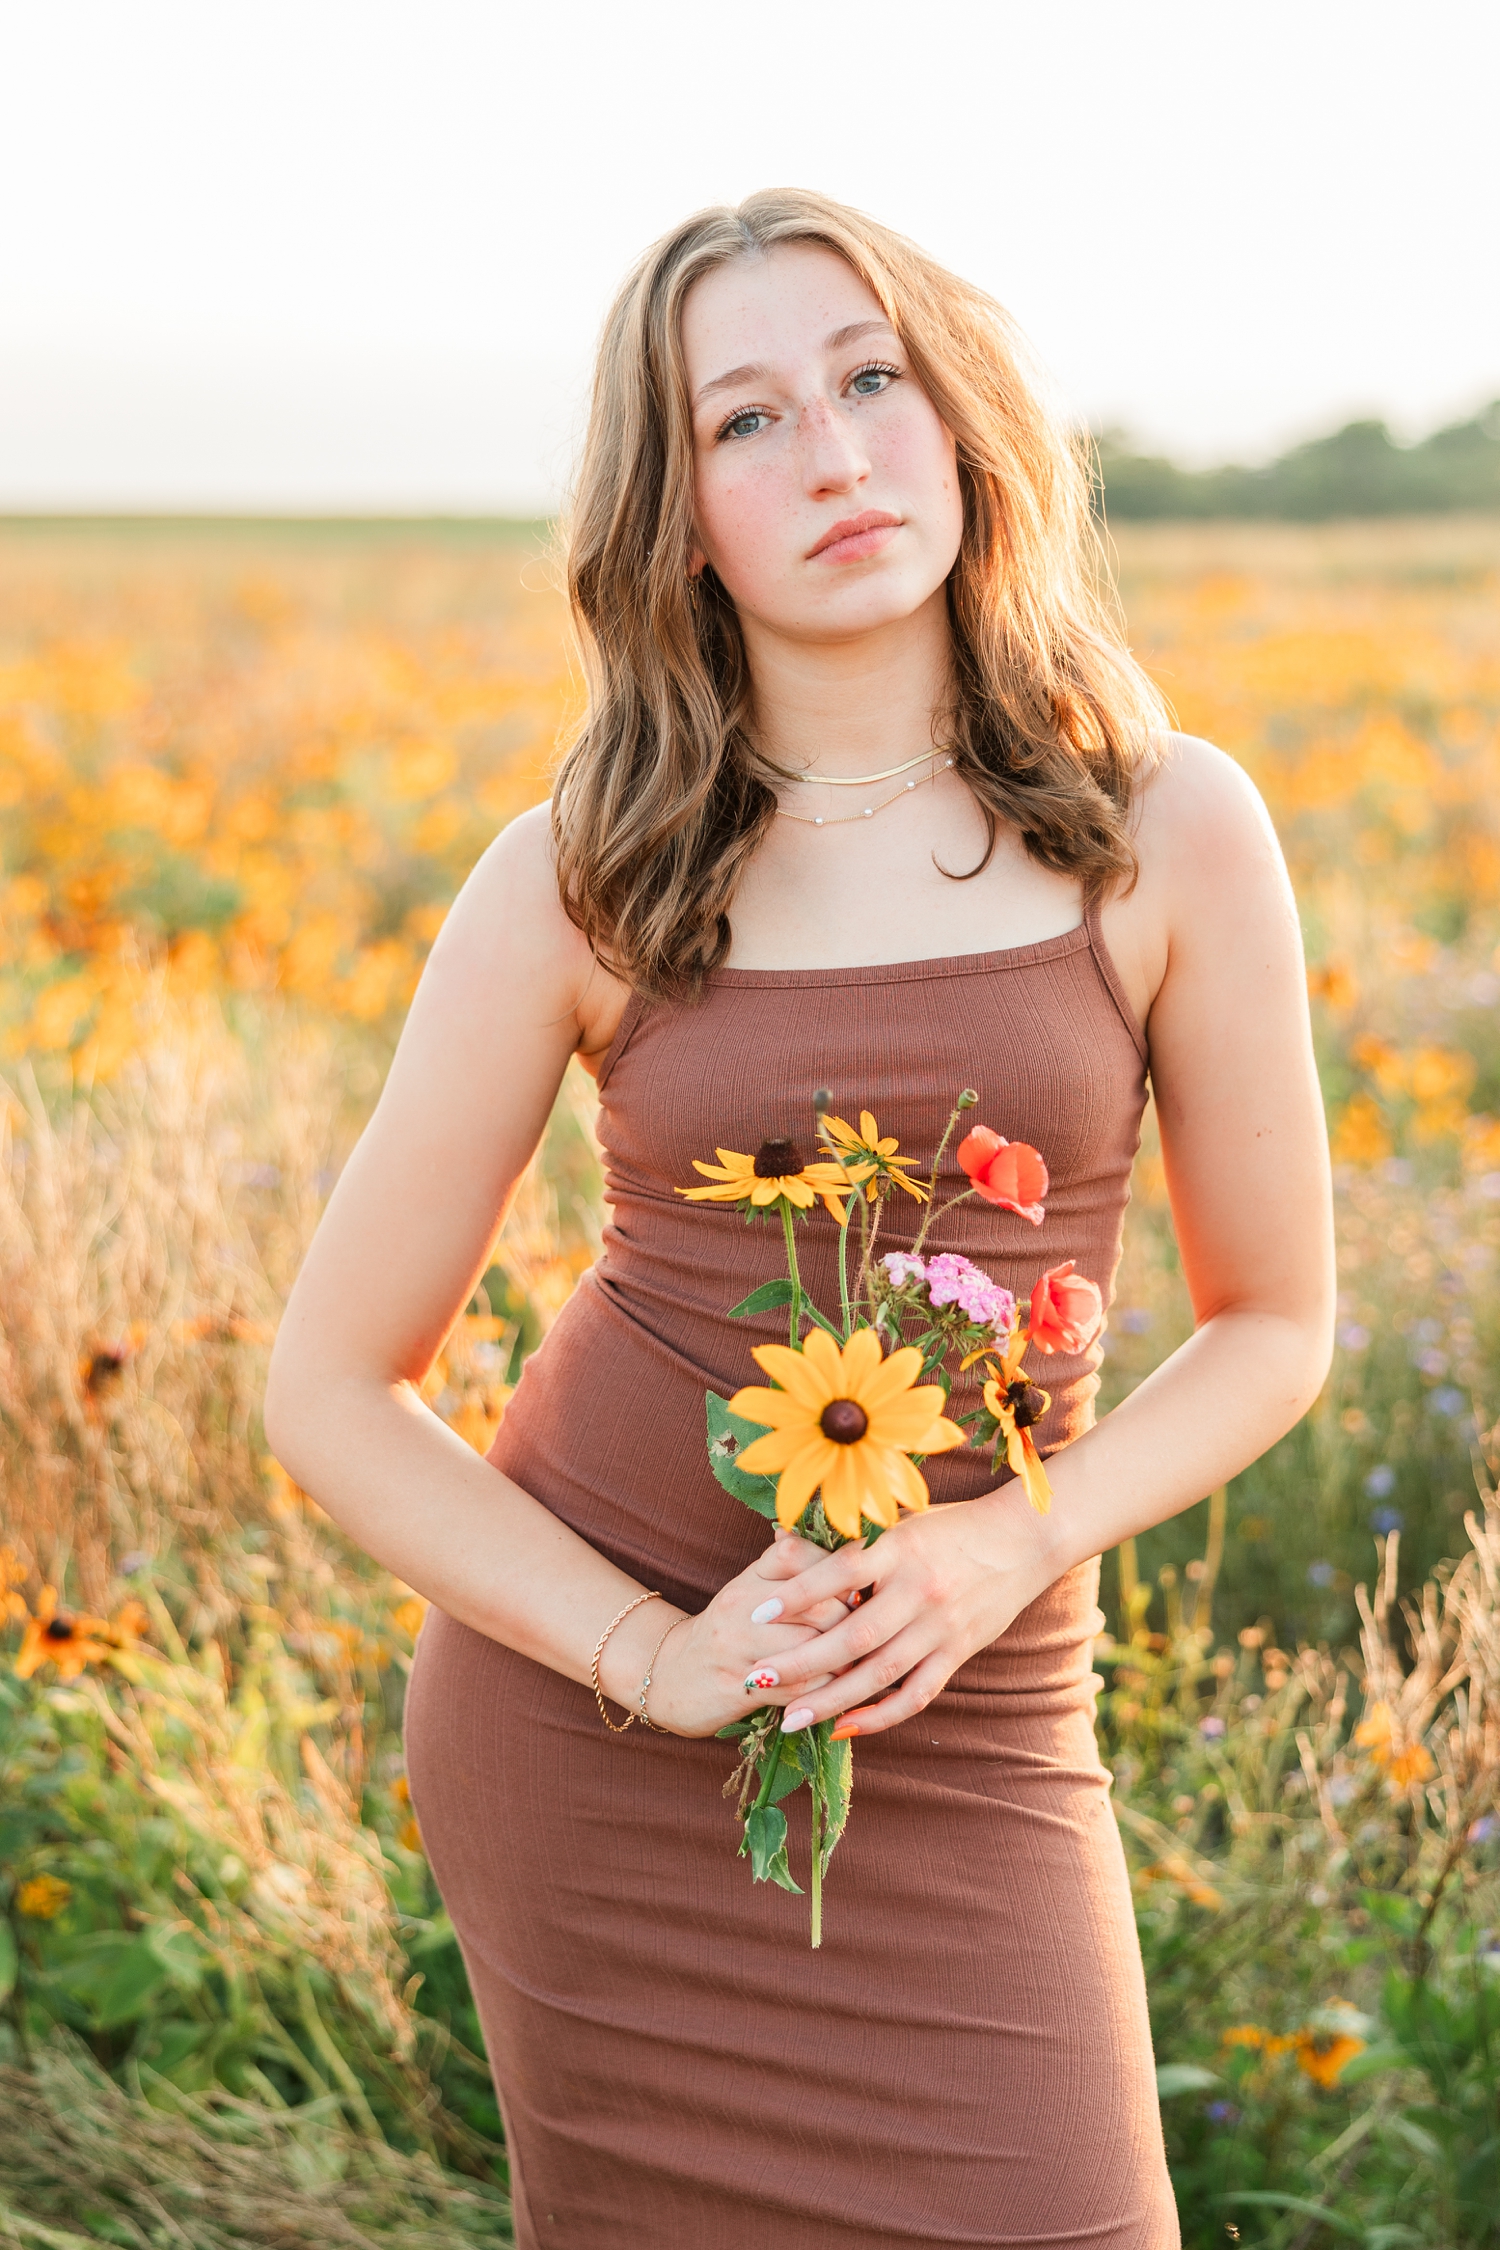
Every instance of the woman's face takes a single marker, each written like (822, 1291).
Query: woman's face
(826, 488)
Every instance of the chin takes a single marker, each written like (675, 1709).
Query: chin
(869, 604)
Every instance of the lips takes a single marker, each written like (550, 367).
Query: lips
(856, 536)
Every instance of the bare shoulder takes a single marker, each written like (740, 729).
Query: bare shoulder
(1204, 837)
(507, 932)
(1209, 860)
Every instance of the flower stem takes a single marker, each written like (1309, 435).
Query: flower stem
(844, 1307)
(793, 1270)
(769, 1782)
(815, 1889)
(930, 1213)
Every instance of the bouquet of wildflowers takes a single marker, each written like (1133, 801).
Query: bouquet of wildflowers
(833, 1446)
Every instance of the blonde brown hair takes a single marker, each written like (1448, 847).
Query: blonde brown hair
(664, 796)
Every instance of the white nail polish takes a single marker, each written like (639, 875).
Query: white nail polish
(793, 1721)
(766, 1612)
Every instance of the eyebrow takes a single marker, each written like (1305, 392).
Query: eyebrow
(754, 369)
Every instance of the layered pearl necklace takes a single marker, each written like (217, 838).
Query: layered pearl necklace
(865, 781)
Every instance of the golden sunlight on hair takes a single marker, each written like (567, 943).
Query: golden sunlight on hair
(664, 794)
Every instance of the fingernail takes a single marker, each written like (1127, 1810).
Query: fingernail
(793, 1721)
(766, 1612)
(764, 1678)
(843, 1731)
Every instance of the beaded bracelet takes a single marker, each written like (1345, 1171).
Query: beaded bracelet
(599, 1651)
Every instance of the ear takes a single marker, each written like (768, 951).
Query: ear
(697, 562)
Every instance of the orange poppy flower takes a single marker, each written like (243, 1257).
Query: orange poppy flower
(1008, 1173)
(1066, 1311)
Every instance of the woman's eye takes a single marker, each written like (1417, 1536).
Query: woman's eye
(870, 381)
(744, 425)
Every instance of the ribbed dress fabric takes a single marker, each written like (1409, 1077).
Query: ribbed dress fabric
(967, 2059)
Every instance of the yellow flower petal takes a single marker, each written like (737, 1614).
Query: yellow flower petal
(862, 1363)
(942, 1437)
(744, 1166)
(824, 1356)
(844, 1490)
(894, 1376)
(777, 1409)
(798, 1372)
(908, 1483)
(767, 1456)
(869, 1131)
(801, 1477)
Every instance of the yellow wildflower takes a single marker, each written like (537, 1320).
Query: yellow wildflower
(42, 1897)
(774, 1173)
(846, 1420)
(868, 1158)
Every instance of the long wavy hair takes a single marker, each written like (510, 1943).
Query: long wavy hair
(664, 795)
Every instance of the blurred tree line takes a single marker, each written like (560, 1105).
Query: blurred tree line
(1359, 470)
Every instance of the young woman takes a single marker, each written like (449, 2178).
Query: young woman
(825, 533)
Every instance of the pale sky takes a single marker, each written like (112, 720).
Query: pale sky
(352, 254)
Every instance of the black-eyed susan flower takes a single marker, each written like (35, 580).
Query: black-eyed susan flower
(846, 1420)
(59, 1637)
(869, 1157)
(1016, 1404)
(775, 1173)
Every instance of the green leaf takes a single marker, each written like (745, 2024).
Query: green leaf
(827, 1326)
(729, 1434)
(113, 1976)
(789, 1776)
(9, 1962)
(837, 1762)
(1184, 2078)
(765, 1832)
(771, 1296)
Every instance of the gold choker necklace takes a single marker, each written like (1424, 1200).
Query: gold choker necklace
(867, 780)
(839, 820)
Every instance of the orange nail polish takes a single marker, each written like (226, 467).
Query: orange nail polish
(843, 1733)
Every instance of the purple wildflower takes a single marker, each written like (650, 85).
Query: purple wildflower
(902, 1267)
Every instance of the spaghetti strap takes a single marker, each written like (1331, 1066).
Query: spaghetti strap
(621, 1040)
(1093, 923)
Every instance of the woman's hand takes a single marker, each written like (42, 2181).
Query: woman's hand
(944, 1583)
(710, 1670)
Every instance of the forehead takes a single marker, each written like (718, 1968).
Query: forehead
(770, 308)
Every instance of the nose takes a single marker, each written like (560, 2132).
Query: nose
(833, 460)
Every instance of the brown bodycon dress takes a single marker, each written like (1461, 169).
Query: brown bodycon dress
(967, 2059)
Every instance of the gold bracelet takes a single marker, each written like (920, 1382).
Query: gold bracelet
(642, 1712)
(599, 1651)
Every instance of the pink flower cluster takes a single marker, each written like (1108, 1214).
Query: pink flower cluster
(952, 1280)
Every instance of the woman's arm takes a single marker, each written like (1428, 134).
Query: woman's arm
(504, 1000)
(1243, 1139)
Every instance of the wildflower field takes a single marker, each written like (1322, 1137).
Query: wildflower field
(242, 771)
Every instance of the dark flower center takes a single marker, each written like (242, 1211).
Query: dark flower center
(1026, 1402)
(843, 1421)
(776, 1160)
(59, 1629)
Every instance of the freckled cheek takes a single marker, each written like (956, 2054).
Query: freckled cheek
(745, 522)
